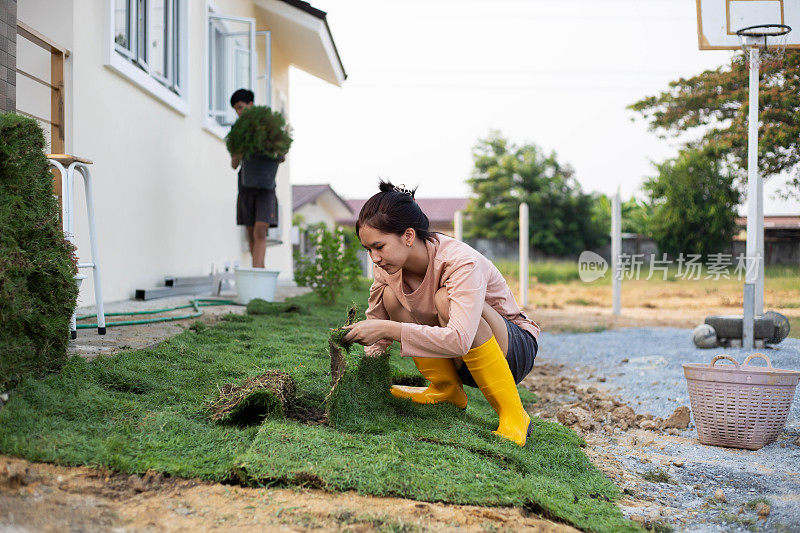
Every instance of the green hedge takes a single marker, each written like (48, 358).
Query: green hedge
(37, 264)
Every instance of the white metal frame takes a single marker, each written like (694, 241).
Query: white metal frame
(174, 92)
(68, 211)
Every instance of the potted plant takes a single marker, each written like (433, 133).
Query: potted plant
(261, 138)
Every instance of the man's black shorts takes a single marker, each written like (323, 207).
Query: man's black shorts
(257, 205)
(522, 349)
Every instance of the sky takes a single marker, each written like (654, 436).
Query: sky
(428, 78)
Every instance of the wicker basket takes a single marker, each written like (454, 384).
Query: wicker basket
(739, 406)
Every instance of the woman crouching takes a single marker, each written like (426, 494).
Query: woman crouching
(450, 309)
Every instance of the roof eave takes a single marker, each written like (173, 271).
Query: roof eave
(306, 17)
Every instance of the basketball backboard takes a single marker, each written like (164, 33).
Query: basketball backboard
(718, 21)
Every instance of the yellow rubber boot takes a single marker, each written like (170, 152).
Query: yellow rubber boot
(445, 384)
(490, 369)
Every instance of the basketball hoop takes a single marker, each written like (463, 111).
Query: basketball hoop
(746, 25)
(770, 39)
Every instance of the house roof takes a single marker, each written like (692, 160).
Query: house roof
(775, 221)
(304, 194)
(302, 33)
(440, 211)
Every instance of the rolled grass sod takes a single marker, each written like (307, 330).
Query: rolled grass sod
(148, 409)
(255, 399)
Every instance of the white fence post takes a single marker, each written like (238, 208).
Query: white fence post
(616, 249)
(370, 267)
(458, 226)
(523, 254)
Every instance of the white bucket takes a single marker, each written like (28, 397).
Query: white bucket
(79, 279)
(255, 283)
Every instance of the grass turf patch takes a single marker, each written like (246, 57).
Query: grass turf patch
(148, 409)
(257, 398)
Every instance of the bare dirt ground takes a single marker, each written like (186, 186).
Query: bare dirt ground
(44, 497)
(578, 307)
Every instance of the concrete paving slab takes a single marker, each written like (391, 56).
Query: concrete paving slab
(140, 336)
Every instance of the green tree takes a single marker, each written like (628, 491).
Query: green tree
(715, 105)
(636, 215)
(601, 213)
(561, 219)
(694, 204)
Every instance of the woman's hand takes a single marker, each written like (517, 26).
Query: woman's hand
(368, 332)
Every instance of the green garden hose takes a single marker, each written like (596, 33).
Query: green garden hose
(196, 303)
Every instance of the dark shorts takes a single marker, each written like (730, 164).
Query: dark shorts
(257, 205)
(522, 349)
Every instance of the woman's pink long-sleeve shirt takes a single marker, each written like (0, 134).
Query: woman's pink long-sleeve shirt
(470, 279)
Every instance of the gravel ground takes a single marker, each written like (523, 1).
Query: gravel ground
(652, 381)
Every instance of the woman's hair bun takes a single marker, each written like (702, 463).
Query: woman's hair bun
(394, 210)
(388, 186)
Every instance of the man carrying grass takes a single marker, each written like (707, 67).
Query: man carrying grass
(256, 209)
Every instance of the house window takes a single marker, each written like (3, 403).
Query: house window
(231, 63)
(148, 34)
(238, 57)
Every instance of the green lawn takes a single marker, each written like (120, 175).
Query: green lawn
(147, 409)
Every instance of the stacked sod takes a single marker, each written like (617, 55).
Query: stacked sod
(37, 266)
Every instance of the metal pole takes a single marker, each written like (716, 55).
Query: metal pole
(458, 226)
(753, 219)
(523, 254)
(94, 247)
(759, 306)
(616, 249)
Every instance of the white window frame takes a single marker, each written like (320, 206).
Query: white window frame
(174, 92)
(213, 13)
(267, 77)
(209, 124)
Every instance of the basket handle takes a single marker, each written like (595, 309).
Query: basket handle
(761, 355)
(724, 356)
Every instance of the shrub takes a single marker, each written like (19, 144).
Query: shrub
(330, 267)
(37, 264)
(260, 131)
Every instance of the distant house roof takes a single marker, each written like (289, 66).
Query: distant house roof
(440, 211)
(304, 194)
(775, 221)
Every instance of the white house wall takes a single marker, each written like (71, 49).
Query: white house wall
(165, 195)
(325, 208)
(316, 212)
